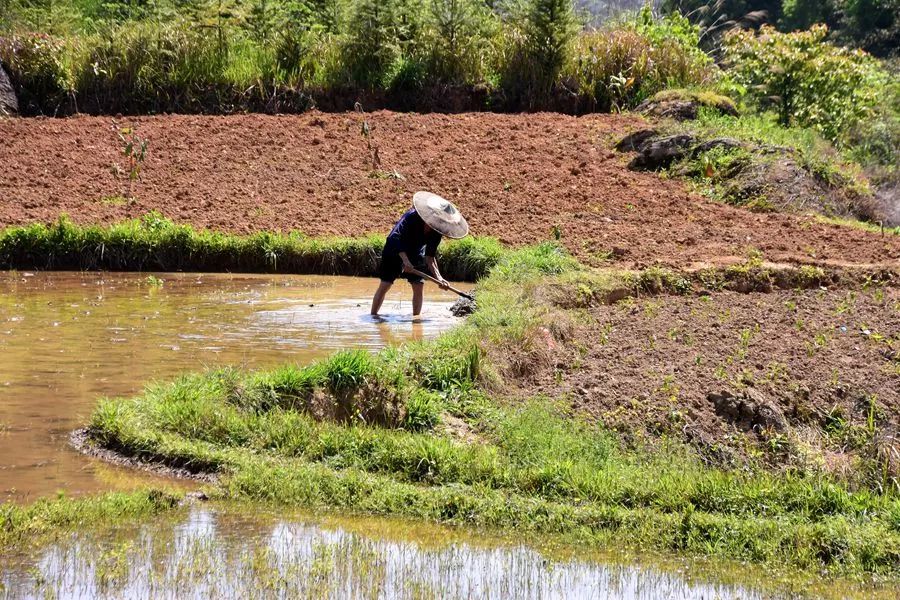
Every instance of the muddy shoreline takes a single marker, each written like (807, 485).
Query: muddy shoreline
(80, 439)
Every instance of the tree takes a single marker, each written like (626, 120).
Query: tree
(550, 28)
(460, 30)
(372, 45)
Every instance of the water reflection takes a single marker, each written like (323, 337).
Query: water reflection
(67, 339)
(212, 553)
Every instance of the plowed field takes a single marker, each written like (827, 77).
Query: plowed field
(515, 177)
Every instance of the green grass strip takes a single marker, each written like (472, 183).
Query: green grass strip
(836, 543)
(154, 243)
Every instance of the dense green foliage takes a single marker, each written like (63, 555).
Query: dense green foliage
(873, 25)
(812, 83)
(157, 244)
(276, 436)
(845, 95)
(286, 55)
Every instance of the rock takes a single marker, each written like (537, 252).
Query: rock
(726, 143)
(783, 184)
(634, 141)
(750, 410)
(680, 110)
(661, 152)
(684, 105)
(9, 104)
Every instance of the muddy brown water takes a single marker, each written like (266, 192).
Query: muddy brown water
(67, 339)
(227, 551)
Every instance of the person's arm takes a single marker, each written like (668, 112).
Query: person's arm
(431, 262)
(407, 264)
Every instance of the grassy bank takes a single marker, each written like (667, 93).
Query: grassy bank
(154, 243)
(421, 431)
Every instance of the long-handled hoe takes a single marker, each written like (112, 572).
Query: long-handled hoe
(449, 287)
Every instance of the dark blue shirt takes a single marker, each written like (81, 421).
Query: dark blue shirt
(409, 236)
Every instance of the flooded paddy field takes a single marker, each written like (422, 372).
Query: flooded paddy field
(228, 551)
(68, 339)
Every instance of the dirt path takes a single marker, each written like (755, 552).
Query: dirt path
(514, 176)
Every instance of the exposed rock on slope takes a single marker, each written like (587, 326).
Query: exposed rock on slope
(9, 104)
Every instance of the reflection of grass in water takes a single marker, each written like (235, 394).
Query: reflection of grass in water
(239, 552)
(238, 557)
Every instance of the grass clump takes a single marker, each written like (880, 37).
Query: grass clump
(31, 524)
(155, 243)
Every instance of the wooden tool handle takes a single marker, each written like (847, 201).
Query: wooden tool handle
(433, 280)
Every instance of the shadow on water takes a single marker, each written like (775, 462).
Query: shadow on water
(227, 551)
(67, 339)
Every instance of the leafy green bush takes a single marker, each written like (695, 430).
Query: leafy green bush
(36, 68)
(811, 82)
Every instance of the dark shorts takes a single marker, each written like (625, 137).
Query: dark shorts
(391, 267)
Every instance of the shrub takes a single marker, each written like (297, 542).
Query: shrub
(621, 66)
(36, 69)
(537, 50)
(811, 82)
(372, 45)
(460, 32)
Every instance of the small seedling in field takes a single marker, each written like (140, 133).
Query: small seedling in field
(366, 130)
(819, 341)
(745, 336)
(776, 372)
(847, 304)
(134, 149)
(114, 200)
(603, 336)
(720, 372)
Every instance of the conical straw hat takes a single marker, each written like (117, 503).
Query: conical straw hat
(441, 215)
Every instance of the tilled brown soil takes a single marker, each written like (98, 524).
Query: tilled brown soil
(760, 364)
(514, 176)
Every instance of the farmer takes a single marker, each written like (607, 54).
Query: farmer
(412, 246)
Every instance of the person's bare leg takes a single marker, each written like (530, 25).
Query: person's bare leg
(418, 296)
(378, 298)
